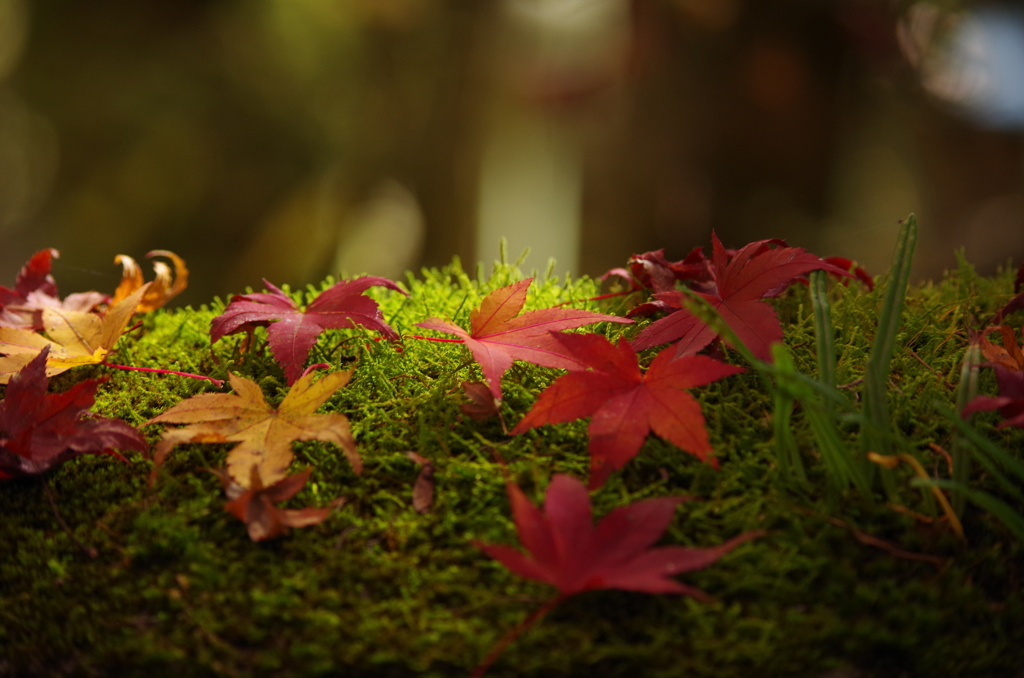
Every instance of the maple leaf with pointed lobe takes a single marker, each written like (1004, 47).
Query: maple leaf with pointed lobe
(624, 404)
(264, 434)
(498, 334)
(75, 338)
(568, 552)
(1009, 402)
(39, 430)
(254, 505)
(35, 290)
(291, 330)
(737, 289)
(163, 288)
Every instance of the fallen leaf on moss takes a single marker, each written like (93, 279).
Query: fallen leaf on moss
(264, 434)
(568, 552)
(497, 336)
(39, 430)
(738, 285)
(75, 338)
(625, 404)
(164, 287)
(1009, 402)
(254, 505)
(1008, 355)
(423, 490)
(481, 405)
(35, 290)
(291, 330)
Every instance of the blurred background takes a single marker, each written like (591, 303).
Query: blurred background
(289, 139)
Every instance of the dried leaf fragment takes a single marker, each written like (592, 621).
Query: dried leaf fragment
(254, 505)
(423, 490)
(164, 287)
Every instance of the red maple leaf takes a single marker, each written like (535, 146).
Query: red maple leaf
(737, 289)
(34, 290)
(291, 330)
(651, 270)
(567, 551)
(498, 334)
(39, 430)
(1009, 402)
(625, 404)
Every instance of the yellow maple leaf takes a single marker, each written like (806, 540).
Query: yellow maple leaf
(161, 290)
(74, 337)
(264, 434)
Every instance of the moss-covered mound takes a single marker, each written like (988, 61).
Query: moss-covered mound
(843, 584)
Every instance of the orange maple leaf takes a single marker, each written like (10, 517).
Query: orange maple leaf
(161, 290)
(254, 505)
(1008, 355)
(264, 434)
(74, 337)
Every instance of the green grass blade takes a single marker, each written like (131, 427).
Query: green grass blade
(823, 328)
(876, 376)
(987, 453)
(1013, 520)
(961, 446)
(790, 464)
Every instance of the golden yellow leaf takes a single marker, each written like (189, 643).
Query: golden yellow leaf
(264, 434)
(75, 338)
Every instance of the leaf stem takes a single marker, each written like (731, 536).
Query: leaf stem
(219, 383)
(514, 633)
(89, 551)
(600, 297)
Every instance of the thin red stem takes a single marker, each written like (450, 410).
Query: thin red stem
(217, 382)
(514, 633)
(416, 336)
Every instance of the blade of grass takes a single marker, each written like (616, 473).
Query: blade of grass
(791, 466)
(962, 450)
(987, 453)
(823, 328)
(876, 403)
(1013, 520)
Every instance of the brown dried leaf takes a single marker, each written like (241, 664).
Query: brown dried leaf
(423, 490)
(163, 288)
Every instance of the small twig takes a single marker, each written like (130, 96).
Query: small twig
(933, 371)
(89, 551)
(516, 631)
(219, 383)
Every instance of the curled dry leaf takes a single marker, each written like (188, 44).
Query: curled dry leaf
(423, 490)
(39, 430)
(75, 338)
(254, 505)
(163, 288)
(264, 434)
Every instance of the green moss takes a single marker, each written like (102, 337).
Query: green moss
(379, 590)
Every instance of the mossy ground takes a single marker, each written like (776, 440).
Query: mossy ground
(379, 590)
